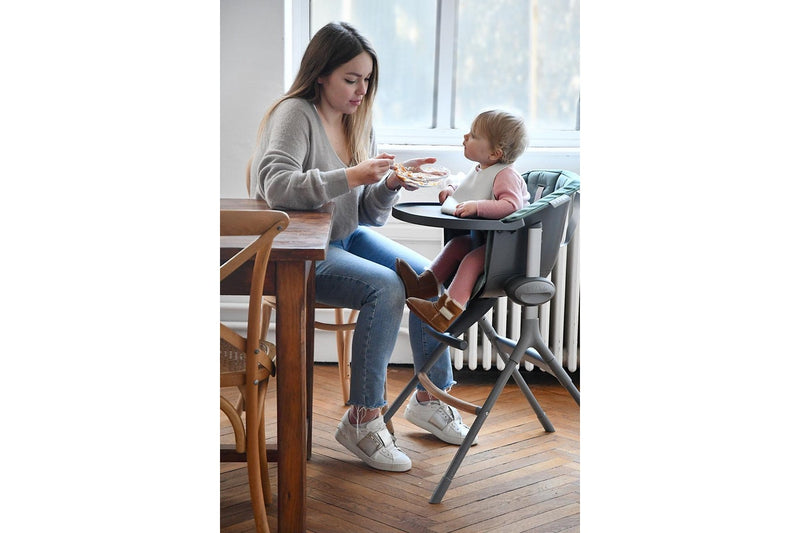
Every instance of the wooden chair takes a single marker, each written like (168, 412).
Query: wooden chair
(344, 337)
(247, 362)
(343, 328)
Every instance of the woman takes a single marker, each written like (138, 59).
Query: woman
(316, 145)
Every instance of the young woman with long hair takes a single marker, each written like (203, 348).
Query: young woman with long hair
(316, 145)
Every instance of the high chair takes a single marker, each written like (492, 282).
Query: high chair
(521, 250)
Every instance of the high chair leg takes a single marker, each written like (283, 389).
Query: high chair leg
(526, 391)
(491, 334)
(480, 418)
(555, 367)
(412, 384)
(527, 336)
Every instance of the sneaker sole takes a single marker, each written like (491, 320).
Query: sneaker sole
(390, 467)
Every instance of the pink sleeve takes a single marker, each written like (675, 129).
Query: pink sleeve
(510, 194)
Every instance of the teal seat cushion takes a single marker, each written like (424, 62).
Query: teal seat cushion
(552, 184)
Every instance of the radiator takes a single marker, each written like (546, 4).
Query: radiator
(559, 319)
(559, 322)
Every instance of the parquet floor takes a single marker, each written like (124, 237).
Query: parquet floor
(516, 479)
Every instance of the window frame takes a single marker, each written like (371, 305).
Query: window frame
(442, 133)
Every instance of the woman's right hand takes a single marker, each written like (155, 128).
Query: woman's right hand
(369, 171)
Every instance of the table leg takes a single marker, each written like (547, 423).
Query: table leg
(310, 312)
(291, 298)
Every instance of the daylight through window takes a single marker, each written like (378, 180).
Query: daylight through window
(442, 62)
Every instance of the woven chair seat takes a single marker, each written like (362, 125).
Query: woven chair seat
(231, 359)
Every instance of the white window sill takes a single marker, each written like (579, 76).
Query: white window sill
(453, 138)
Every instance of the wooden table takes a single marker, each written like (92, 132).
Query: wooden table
(290, 277)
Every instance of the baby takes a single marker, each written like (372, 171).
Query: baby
(493, 189)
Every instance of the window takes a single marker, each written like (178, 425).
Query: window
(444, 61)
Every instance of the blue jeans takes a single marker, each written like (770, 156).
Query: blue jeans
(358, 273)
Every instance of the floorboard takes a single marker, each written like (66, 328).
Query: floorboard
(518, 478)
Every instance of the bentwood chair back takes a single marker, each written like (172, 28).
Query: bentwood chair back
(248, 362)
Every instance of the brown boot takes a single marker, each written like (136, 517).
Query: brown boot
(423, 286)
(439, 314)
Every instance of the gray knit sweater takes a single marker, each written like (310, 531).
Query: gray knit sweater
(296, 168)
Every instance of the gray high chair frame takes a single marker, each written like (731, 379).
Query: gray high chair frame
(521, 250)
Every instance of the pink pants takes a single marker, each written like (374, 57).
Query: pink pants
(458, 256)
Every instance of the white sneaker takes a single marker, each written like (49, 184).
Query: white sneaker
(373, 444)
(438, 418)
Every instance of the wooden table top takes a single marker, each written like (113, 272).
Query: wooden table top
(306, 238)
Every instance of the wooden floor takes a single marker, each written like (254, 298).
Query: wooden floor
(517, 478)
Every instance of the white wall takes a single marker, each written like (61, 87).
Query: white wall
(253, 48)
(251, 76)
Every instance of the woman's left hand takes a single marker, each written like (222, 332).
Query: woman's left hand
(393, 182)
(414, 164)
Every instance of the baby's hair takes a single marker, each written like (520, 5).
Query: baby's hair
(505, 131)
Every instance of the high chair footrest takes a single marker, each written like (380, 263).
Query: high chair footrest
(453, 342)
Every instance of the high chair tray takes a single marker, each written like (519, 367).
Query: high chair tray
(430, 214)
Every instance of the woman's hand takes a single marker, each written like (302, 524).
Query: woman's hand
(393, 182)
(414, 164)
(369, 171)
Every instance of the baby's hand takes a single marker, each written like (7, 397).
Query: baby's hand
(466, 209)
(444, 193)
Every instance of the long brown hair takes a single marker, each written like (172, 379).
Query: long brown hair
(333, 45)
